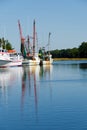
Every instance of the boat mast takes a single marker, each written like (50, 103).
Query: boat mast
(34, 38)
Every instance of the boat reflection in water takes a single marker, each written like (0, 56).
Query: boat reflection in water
(30, 75)
(23, 83)
(31, 82)
(9, 75)
(9, 82)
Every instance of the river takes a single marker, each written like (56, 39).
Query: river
(44, 98)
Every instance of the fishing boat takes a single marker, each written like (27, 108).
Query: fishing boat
(29, 53)
(9, 59)
(47, 60)
(45, 57)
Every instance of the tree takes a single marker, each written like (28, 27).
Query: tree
(83, 50)
(0, 42)
(3, 42)
(74, 52)
(8, 45)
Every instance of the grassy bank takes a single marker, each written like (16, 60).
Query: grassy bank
(56, 59)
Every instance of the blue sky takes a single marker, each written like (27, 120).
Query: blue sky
(65, 19)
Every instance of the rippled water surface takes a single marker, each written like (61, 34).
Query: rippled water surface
(44, 98)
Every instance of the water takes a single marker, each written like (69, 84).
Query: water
(44, 98)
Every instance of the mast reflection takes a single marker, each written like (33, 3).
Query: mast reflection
(31, 81)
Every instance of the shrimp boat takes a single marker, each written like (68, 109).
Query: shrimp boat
(9, 59)
(29, 52)
(45, 57)
(30, 57)
(47, 60)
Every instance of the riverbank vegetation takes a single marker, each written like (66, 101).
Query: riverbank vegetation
(80, 52)
(63, 54)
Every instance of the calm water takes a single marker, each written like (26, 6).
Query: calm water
(44, 98)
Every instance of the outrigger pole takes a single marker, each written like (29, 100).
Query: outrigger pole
(49, 40)
(34, 38)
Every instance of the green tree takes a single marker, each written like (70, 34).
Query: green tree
(75, 52)
(3, 42)
(83, 50)
(0, 42)
(8, 45)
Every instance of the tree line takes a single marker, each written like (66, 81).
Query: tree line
(80, 52)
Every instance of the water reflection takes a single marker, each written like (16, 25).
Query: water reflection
(31, 81)
(83, 66)
(45, 70)
(8, 75)
(46, 97)
(30, 75)
(27, 77)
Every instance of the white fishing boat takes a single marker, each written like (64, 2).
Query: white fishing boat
(47, 60)
(8, 59)
(45, 57)
(29, 53)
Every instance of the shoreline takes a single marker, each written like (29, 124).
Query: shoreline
(62, 59)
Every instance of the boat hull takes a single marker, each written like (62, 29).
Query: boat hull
(46, 62)
(10, 64)
(9, 59)
(4, 62)
(30, 62)
(14, 63)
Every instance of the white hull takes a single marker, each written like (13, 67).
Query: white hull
(13, 63)
(8, 60)
(30, 62)
(46, 61)
(10, 63)
(4, 62)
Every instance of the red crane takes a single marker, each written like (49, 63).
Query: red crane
(21, 37)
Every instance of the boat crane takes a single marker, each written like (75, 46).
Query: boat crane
(21, 37)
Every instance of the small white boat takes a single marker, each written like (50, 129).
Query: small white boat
(45, 57)
(8, 59)
(47, 60)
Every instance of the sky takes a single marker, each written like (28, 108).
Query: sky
(65, 19)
